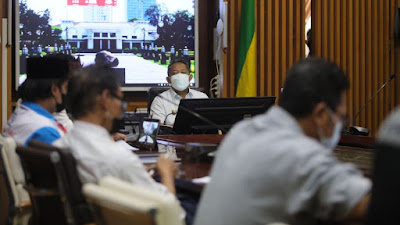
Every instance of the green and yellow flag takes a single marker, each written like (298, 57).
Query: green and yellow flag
(246, 78)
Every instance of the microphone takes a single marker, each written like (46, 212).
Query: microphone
(194, 114)
(356, 130)
(172, 113)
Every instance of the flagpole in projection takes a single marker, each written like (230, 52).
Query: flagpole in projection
(246, 78)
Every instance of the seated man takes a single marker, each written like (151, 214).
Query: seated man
(95, 101)
(42, 94)
(165, 108)
(279, 166)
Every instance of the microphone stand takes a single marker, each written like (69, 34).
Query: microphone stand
(172, 113)
(362, 130)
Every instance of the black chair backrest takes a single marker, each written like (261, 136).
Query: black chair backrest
(39, 170)
(154, 91)
(43, 186)
(71, 183)
(383, 207)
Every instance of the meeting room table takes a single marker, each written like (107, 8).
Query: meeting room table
(353, 149)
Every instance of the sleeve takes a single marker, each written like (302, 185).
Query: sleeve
(202, 95)
(326, 188)
(63, 118)
(157, 110)
(133, 171)
(45, 134)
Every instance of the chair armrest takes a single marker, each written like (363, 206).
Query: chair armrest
(35, 192)
(26, 204)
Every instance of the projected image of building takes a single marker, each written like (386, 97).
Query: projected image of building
(136, 9)
(95, 36)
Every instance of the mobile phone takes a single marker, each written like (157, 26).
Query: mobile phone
(148, 131)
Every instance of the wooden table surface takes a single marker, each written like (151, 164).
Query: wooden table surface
(354, 149)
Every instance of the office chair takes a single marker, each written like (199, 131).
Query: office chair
(154, 91)
(42, 184)
(80, 211)
(118, 202)
(383, 208)
(16, 199)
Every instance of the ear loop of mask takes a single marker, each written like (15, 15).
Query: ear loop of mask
(331, 142)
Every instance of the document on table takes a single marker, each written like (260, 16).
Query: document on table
(126, 146)
(202, 180)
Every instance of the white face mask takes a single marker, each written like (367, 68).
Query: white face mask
(331, 142)
(180, 81)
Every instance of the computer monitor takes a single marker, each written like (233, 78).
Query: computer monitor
(223, 112)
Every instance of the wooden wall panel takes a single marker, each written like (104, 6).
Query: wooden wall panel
(2, 4)
(357, 35)
(280, 37)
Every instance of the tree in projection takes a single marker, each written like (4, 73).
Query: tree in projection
(35, 28)
(174, 29)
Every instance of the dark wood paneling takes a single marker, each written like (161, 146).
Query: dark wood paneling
(357, 35)
(280, 37)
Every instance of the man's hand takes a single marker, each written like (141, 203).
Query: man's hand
(166, 166)
(167, 169)
(118, 136)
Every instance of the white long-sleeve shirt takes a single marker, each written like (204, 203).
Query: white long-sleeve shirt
(161, 108)
(97, 156)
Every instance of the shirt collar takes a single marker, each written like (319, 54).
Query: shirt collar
(178, 97)
(38, 109)
(282, 118)
(97, 129)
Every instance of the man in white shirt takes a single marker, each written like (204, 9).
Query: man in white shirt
(95, 100)
(165, 108)
(90, 142)
(42, 94)
(279, 166)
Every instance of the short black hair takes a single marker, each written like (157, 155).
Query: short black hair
(178, 61)
(33, 90)
(43, 72)
(86, 85)
(309, 82)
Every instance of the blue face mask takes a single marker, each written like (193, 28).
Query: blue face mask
(331, 142)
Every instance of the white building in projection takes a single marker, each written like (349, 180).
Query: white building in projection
(95, 36)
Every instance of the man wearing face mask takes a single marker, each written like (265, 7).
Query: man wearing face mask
(279, 166)
(95, 100)
(179, 77)
(42, 94)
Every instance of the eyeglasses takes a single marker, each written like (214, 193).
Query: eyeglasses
(124, 104)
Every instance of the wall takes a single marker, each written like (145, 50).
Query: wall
(280, 40)
(4, 198)
(3, 14)
(2, 4)
(358, 35)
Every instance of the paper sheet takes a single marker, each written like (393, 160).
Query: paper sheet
(125, 145)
